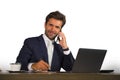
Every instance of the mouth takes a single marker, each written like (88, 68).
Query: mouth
(51, 35)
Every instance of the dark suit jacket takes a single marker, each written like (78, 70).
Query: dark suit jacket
(34, 49)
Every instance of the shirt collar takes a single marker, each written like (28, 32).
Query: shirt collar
(46, 39)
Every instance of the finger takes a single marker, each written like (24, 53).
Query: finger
(34, 66)
(45, 64)
(43, 67)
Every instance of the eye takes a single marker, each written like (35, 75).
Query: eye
(58, 27)
(51, 25)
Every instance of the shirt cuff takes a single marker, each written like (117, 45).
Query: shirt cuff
(29, 66)
(66, 52)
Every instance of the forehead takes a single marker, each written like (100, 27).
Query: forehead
(55, 22)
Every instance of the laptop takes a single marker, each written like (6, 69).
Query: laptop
(89, 60)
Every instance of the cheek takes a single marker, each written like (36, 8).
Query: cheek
(47, 28)
(57, 32)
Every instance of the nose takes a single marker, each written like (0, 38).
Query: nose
(52, 28)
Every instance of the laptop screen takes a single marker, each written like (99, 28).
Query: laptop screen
(89, 60)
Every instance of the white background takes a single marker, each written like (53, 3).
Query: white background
(90, 24)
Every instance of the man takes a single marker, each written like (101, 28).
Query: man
(43, 53)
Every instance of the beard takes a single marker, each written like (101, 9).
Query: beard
(50, 34)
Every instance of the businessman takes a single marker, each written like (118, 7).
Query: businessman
(49, 51)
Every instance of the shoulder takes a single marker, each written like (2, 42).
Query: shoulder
(33, 39)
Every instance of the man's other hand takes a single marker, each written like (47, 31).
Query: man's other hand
(40, 66)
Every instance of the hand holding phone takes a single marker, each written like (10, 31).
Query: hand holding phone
(61, 39)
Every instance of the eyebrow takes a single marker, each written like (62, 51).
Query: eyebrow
(54, 25)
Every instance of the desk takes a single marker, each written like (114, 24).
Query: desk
(58, 76)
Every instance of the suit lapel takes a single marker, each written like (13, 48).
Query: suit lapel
(43, 48)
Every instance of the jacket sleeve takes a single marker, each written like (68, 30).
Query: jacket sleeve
(24, 55)
(68, 61)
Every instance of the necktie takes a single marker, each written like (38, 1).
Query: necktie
(50, 52)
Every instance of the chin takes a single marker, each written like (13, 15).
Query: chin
(51, 38)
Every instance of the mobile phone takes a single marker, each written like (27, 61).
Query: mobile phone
(58, 38)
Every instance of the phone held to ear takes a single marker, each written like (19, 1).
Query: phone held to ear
(58, 38)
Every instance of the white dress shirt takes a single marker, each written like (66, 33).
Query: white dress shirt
(50, 48)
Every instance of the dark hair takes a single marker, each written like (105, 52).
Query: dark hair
(56, 15)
